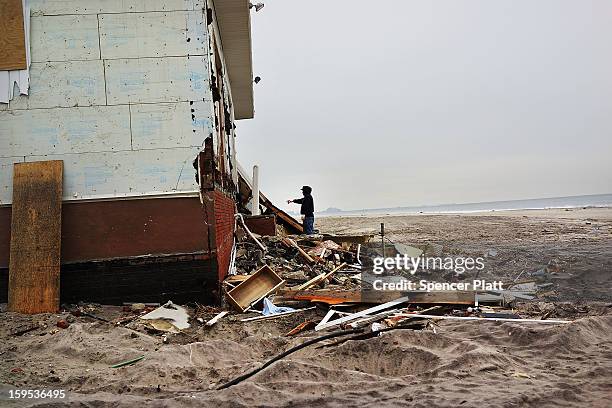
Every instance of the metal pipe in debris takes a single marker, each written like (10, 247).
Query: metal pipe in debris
(248, 231)
(255, 202)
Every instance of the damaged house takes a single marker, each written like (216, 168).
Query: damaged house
(137, 102)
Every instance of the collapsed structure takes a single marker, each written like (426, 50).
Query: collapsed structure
(139, 101)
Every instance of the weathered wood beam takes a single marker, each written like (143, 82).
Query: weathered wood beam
(34, 266)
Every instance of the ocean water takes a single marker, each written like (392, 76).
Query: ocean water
(597, 200)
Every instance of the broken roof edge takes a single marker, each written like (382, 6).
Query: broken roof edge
(234, 24)
(287, 220)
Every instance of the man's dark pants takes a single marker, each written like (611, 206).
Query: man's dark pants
(308, 225)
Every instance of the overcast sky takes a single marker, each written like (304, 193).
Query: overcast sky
(398, 102)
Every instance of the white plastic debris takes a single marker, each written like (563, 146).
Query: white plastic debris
(168, 317)
(378, 327)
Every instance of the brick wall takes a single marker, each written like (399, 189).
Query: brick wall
(180, 278)
(225, 208)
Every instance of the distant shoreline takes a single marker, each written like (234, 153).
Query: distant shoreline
(569, 202)
(600, 213)
(450, 212)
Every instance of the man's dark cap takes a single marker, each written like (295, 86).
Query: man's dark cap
(307, 189)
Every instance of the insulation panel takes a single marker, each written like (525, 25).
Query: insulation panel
(127, 173)
(152, 80)
(64, 38)
(166, 125)
(63, 84)
(143, 35)
(64, 130)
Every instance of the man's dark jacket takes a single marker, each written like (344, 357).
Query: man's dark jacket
(307, 208)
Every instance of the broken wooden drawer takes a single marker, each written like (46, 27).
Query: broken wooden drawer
(256, 287)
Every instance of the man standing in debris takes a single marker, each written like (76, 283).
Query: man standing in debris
(307, 209)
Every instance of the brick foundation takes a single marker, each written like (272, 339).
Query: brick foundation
(225, 209)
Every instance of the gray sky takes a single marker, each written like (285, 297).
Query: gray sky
(399, 102)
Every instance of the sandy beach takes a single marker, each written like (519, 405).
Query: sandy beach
(468, 364)
(578, 241)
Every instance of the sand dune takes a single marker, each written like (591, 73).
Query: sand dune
(461, 364)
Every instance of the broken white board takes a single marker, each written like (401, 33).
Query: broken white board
(168, 317)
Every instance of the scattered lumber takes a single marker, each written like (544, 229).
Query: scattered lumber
(311, 282)
(309, 324)
(366, 312)
(216, 318)
(319, 278)
(336, 269)
(289, 222)
(390, 313)
(274, 316)
(337, 296)
(294, 244)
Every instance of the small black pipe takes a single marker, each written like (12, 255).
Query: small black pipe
(286, 353)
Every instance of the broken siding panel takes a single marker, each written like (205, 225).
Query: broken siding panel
(126, 173)
(64, 38)
(63, 84)
(55, 7)
(151, 34)
(6, 178)
(64, 130)
(151, 80)
(167, 125)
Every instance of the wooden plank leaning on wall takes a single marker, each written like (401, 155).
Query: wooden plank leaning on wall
(34, 266)
(12, 36)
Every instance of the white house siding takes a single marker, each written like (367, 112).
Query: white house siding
(119, 91)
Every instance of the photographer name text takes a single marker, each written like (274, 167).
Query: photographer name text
(432, 286)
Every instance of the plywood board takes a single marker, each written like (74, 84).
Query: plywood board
(139, 35)
(64, 38)
(63, 84)
(34, 268)
(54, 7)
(65, 130)
(127, 173)
(151, 80)
(165, 125)
(12, 36)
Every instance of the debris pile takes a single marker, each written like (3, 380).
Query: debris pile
(332, 272)
(318, 287)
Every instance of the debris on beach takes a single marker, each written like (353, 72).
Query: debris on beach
(168, 317)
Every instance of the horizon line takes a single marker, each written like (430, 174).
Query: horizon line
(465, 203)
